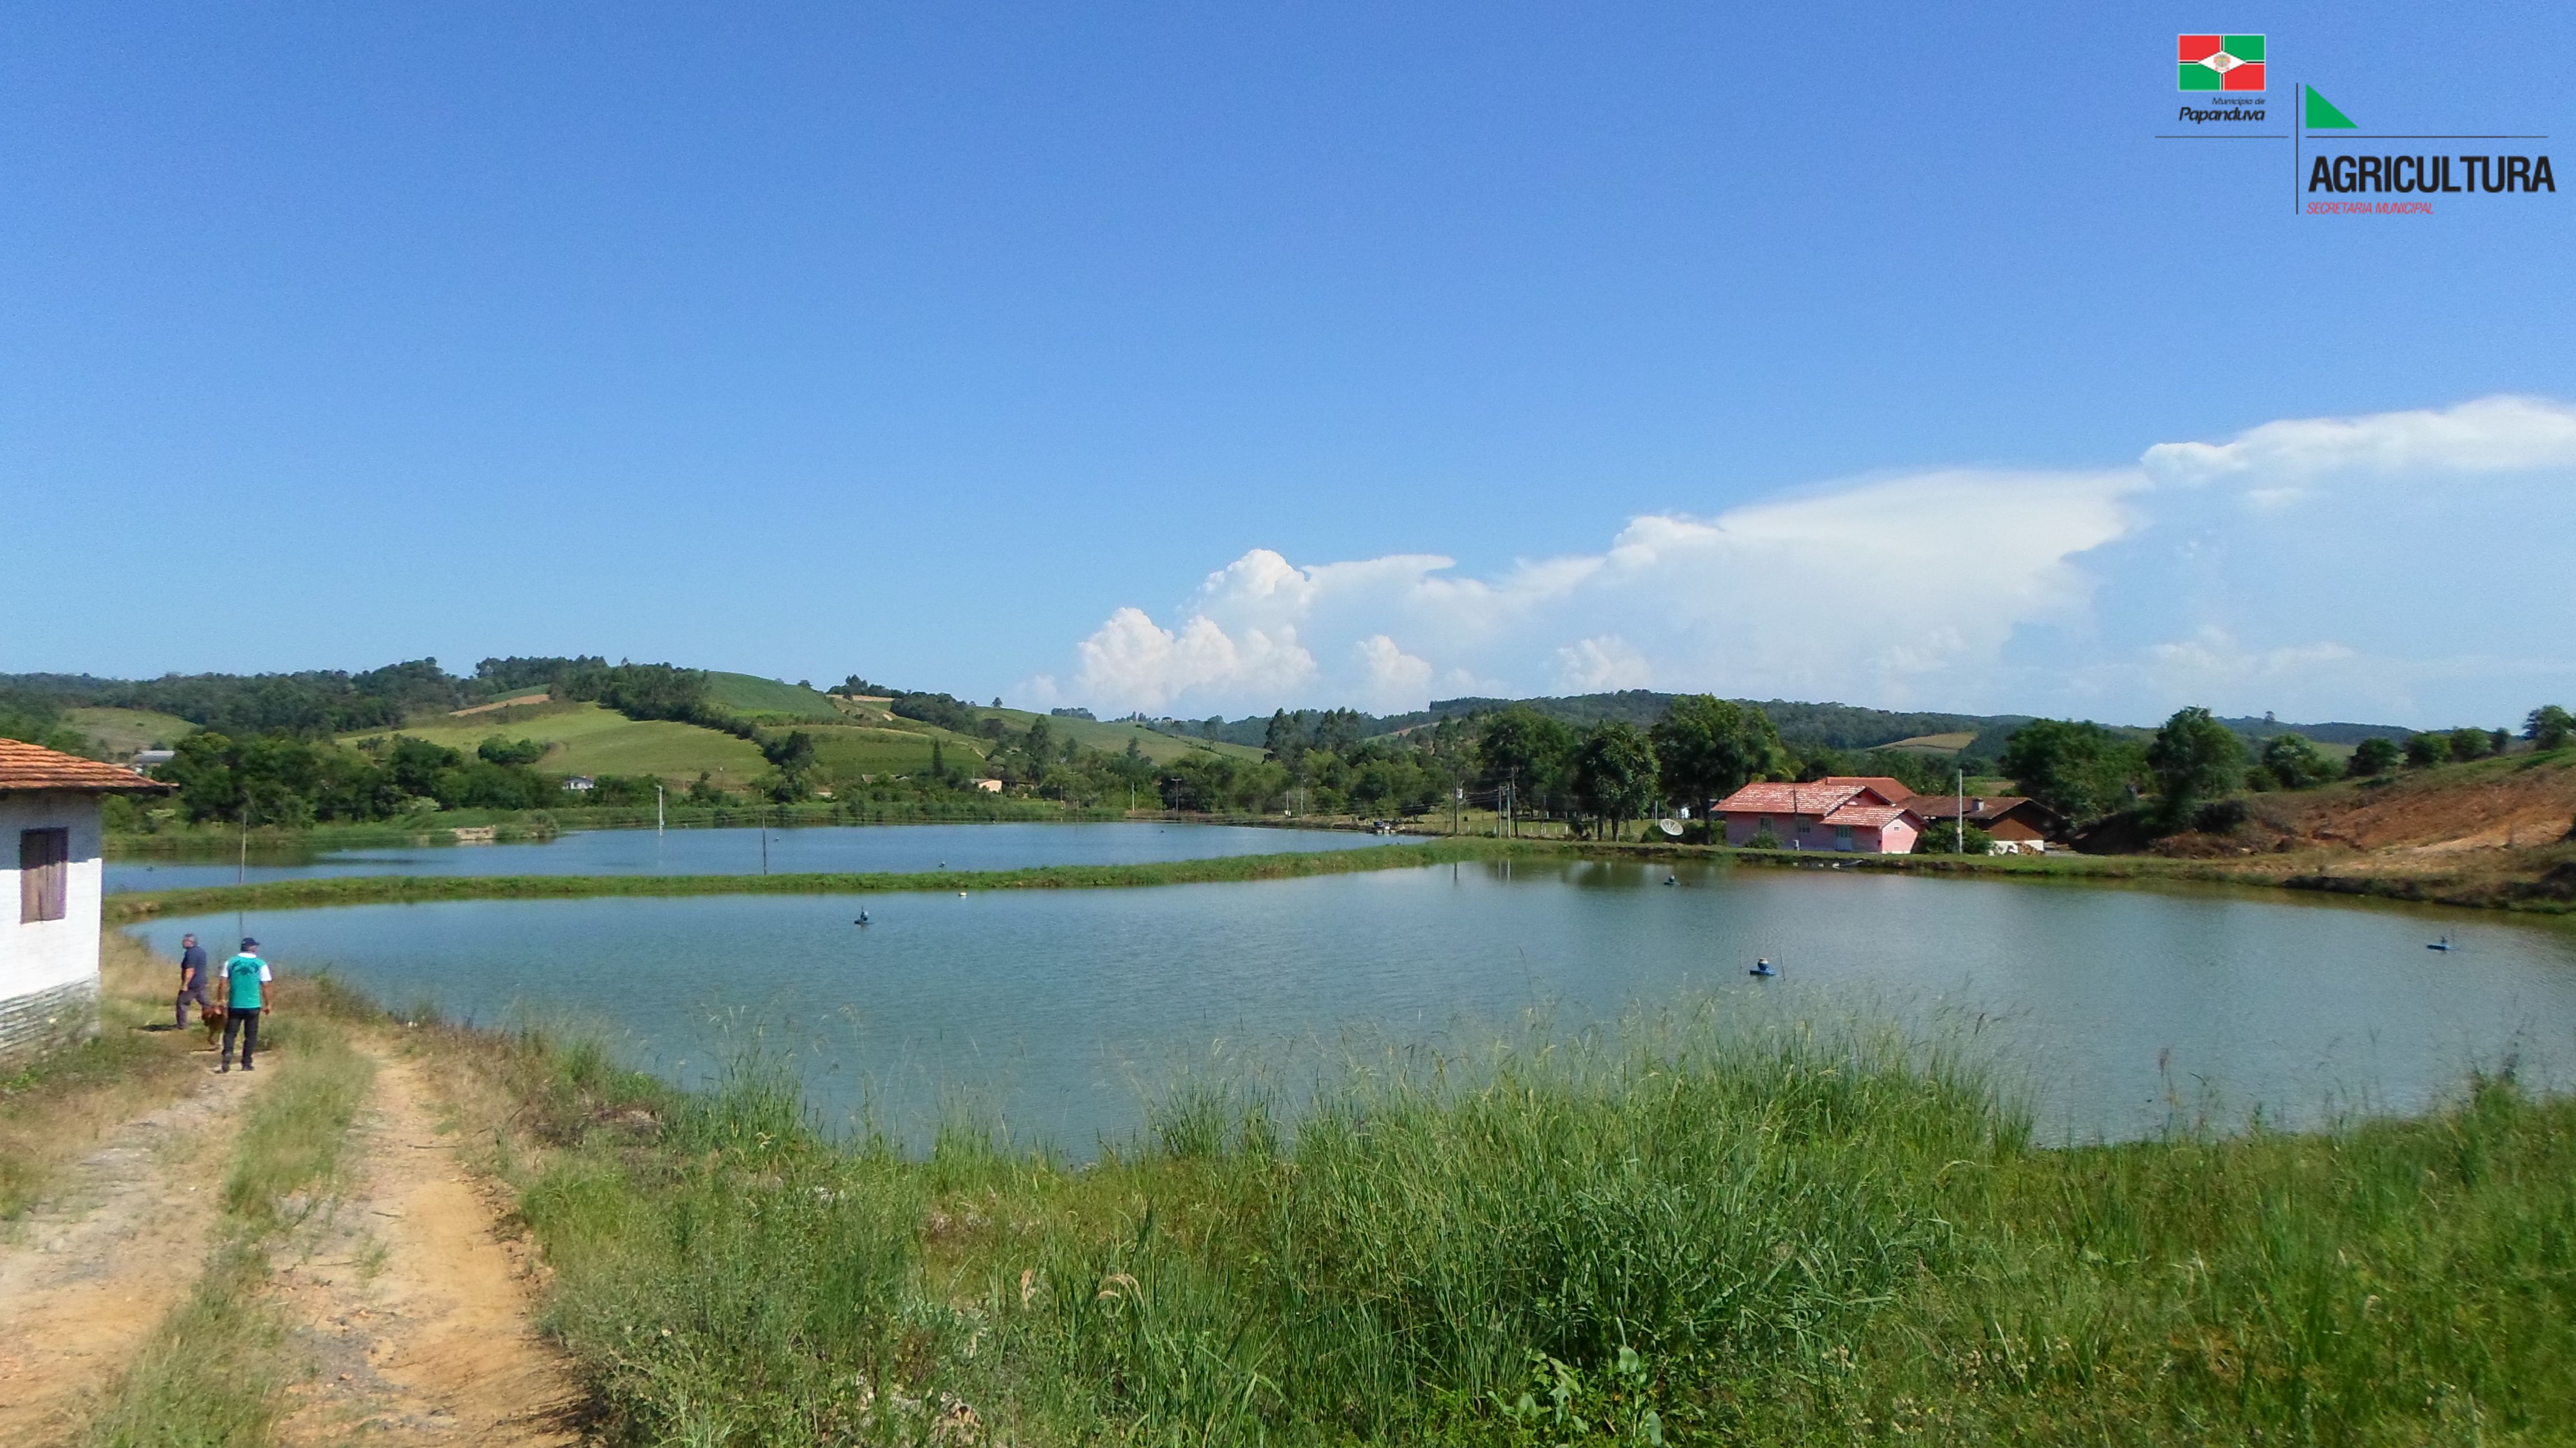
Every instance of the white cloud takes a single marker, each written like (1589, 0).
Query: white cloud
(2311, 566)
(1594, 666)
(2494, 434)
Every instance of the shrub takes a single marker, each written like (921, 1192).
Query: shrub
(1941, 837)
(2470, 744)
(2220, 816)
(2371, 757)
(2291, 762)
(2423, 751)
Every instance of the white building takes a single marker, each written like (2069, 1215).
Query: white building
(49, 853)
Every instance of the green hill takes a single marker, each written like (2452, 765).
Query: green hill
(1112, 738)
(120, 732)
(867, 749)
(769, 699)
(589, 739)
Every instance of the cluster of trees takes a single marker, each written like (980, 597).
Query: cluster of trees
(311, 704)
(278, 779)
(36, 719)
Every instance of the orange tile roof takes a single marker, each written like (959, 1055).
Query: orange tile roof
(1894, 791)
(1805, 799)
(1867, 816)
(31, 766)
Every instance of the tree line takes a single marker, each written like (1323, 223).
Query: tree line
(2187, 773)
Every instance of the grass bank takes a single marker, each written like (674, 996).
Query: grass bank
(269, 843)
(1682, 1228)
(216, 1371)
(54, 1109)
(124, 909)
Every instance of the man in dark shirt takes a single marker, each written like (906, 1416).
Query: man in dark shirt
(193, 978)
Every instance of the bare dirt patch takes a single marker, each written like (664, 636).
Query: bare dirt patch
(413, 1302)
(97, 1265)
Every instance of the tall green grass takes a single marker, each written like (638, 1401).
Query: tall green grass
(1682, 1229)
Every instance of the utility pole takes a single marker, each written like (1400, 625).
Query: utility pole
(1457, 799)
(658, 821)
(1959, 834)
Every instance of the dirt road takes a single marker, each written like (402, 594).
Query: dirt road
(410, 1303)
(87, 1276)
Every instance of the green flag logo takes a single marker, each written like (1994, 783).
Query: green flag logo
(2322, 116)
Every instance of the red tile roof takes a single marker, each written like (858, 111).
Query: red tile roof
(1894, 791)
(1821, 796)
(30, 766)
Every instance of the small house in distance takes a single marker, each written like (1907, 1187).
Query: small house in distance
(579, 783)
(1845, 816)
(49, 850)
(2018, 826)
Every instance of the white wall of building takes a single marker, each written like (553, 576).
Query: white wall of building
(48, 954)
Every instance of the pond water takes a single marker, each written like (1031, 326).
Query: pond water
(2114, 1008)
(835, 849)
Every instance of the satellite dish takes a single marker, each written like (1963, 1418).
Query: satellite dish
(1670, 827)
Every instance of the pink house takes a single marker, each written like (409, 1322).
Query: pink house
(1839, 816)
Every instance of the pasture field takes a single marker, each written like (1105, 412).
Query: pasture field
(122, 731)
(1936, 743)
(1111, 738)
(592, 739)
(864, 749)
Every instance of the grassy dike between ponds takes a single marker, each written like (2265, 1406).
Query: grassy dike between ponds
(127, 908)
(1686, 1227)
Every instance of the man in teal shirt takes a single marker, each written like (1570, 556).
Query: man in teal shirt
(244, 985)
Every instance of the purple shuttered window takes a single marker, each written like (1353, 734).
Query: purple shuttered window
(44, 874)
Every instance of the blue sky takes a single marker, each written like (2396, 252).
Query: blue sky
(1209, 358)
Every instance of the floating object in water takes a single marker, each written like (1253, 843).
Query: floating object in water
(2442, 944)
(1672, 879)
(862, 920)
(1762, 968)
(961, 894)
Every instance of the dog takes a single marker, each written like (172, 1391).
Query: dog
(215, 1016)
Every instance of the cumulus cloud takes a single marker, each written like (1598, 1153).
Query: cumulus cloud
(2310, 565)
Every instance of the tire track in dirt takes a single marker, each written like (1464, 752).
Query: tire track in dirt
(89, 1274)
(410, 1301)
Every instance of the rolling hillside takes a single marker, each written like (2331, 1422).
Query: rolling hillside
(767, 699)
(590, 739)
(120, 732)
(1112, 738)
(864, 749)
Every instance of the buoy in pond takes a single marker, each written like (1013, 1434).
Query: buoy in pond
(862, 920)
(2442, 944)
(1762, 968)
(1672, 879)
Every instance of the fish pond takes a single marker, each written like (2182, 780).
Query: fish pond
(1055, 1014)
(816, 849)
